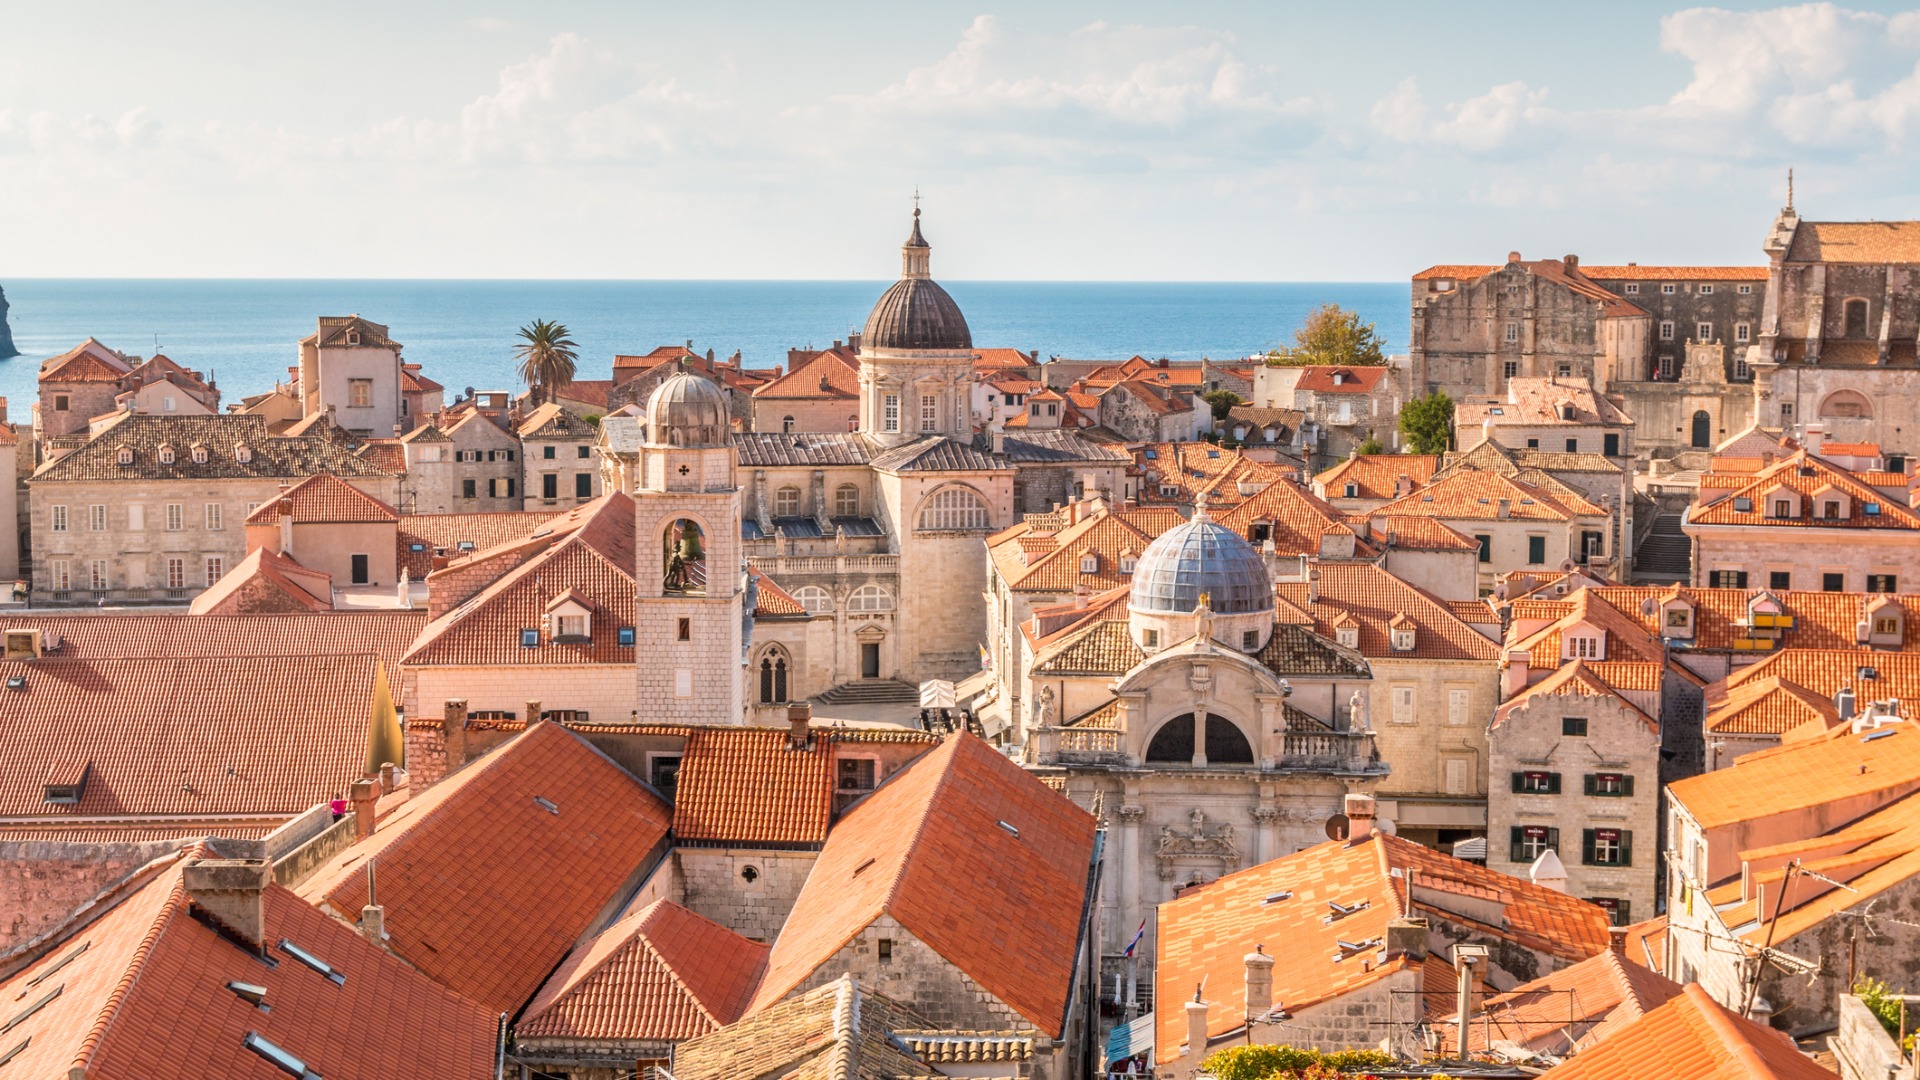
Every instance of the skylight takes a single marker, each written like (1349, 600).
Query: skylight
(15, 1052)
(42, 1002)
(251, 993)
(546, 804)
(1275, 898)
(312, 961)
(1011, 831)
(286, 1062)
(1876, 735)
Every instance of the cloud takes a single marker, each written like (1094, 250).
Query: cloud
(1485, 123)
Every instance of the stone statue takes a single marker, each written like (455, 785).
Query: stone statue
(1043, 707)
(6, 335)
(1199, 820)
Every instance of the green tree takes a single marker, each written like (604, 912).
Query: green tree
(1427, 423)
(1332, 335)
(1373, 445)
(546, 357)
(1223, 402)
(1282, 1062)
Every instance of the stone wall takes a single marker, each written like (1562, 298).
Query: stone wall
(1863, 1048)
(1885, 949)
(715, 883)
(42, 882)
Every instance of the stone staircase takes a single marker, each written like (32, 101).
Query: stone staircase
(872, 692)
(1665, 555)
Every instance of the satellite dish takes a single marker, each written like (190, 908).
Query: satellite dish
(1385, 825)
(1337, 827)
(469, 391)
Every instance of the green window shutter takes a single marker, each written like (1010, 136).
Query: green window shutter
(1586, 847)
(1516, 852)
(1553, 783)
(1626, 848)
(1519, 781)
(1592, 783)
(1626, 785)
(1553, 840)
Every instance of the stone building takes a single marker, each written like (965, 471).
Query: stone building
(1551, 414)
(1518, 525)
(1574, 761)
(90, 382)
(557, 450)
(820, 393)
(1144, 411)
(152, 508)
(1341, 407)
(352, 368)
(635, 377)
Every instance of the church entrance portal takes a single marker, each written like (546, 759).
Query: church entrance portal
(869, 659)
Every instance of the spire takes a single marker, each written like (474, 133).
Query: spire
(384, 742)
(914, 261)
(1789, 189)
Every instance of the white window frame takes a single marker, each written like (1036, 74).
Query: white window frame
(1666, 330)
(1703, 332)
(1746, 290)
(97, 517)
(890, 412)
(57, 518)
(929, 412)
(1459, 706)
(216, 568)
(215, 517)
(786, 501)
(1742, 333)
(1669, 289)
(98, 575)
(60, 571)
(870, 598)
(176, 573)
(176, 517)
(1403, 703)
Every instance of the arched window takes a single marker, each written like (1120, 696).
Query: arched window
(846, 501)
(1845, 405)
(683, 554)
(1173, 743)
(1856, 312)
(166, 454)
(954, 508)
(773, 677)
(786, 423)
(814, 598)
(870, 598)
(786, 502)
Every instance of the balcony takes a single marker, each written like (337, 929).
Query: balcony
(1344, 752)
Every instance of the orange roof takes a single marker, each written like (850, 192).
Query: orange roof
(1374, 598)
(1414, 533)
(1543, 402)
(1584, 679)
(1804, 775)
(266, 582)
(143, 992)
(1695, 1037)
(770, 599)
(1192, 467)
(1874, 242)
(486, 887)
(88, 361)
(1464, 271)
(1205, 933)
(1849, 449)
(929, 848)
(662, 973)
(323, 499)
(1319, 378)
(828, 376)
(449, 536)
(1476, 495)
(749, 786)
(1821, 620)
(1569, 1010)
(1634, 272)
(1376, 475)
(1056, 562)
(1002, 358)
(184, 738)
(1770, 706)
(1805, 475)
(1298, 518)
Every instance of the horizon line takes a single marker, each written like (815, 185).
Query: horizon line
(732, 281)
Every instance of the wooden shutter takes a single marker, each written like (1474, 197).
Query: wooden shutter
(1592, 783)
(1518, 853)
(1626, 848)
(1553, 783)
(1519, 781)
(1586, 847)
(1626, 785)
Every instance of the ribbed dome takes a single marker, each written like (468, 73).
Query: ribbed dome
(1201, 557)
(916, 313)
(687, 410)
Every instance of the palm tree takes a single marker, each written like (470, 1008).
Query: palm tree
(546, 358)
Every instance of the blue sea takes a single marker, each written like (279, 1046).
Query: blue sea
(245, 331)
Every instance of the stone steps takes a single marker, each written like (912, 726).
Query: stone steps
(872, 692)
(1666, 555)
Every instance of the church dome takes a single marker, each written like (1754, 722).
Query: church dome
(687, 410)
(916, 313)
(1199, 557)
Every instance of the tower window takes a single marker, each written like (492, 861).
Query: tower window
(890, 413)
(685, 632)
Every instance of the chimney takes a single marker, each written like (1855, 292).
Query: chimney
(1513, 257)
(1816, 437)
(1359, 815)
(999, 440)
(1402, 486)
(373, 923)
(233, 892)
(1548, 872)
(1407, 936)
(1843, 703)
(1313, 585)
(1514, 675)
(1571, 262)
(1080, 594)
(285, 511)
(456, 734)
(800, 724)
(1617, 938)
(1196, 1029)
(1468, 960)
(365, 795)
(1259, 982)
(1504, 509)
(533, 713)
(387, 770)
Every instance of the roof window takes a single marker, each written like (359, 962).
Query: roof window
(16, 682)
(251, 993)
(313, 962)
(546, 804)
(1876, 735)
(530, 639)
(15, 1052)
(58, 964)
(42, 1002)
(1275, 898)
(1340, 911)
(1011, 831)
(281, 1059)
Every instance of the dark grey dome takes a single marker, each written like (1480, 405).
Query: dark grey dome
(916, 313)
(1198, 557)
(687, 410)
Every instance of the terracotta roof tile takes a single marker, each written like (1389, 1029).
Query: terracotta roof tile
(1376, 475)
(748, 786)
(928, 849)
(1570, 1010)
(271, 456)
(1474, 495)
(1297, 518)
(1806, 476)
(772, 600)
(830, 376)
(839, 1031)
(660, 974)
(460, 534)
(554, 421)
(323, 499)
(88, 361)
(485, 888)
(1319, 378)
(1374, 598)
(1695, 1037)
(1875, 242)
(266, 582)
(1204, 933)
(1770, 706)
(1056, 562)
(143, 993)
(1810, 774)
(1413, 533)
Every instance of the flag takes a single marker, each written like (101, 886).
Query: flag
(986, 659)
(1137, 935)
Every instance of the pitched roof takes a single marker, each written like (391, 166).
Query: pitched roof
(1204, 933)
(485, 887)
(1805, 475)
(938, 453)
(772, 600)
(929, 849)
(839, 1031)
(1821, 620)
(1636, 272)
(1587, 679)
(1319, 378)
(661, 973)
(175, 741)
(1568, 1010)
(1035, 561)
(750, 786)
(271, 456)
(1543, 401)
(1803, 775)
(594, 555)
(829, 376)
(143, 992)
(88, 361)
(266, 582)
(1769, 706)
(554, 421)
(1695, 1037)
(323, 499)
(1297, 518)
(1374, 599)
(334, 329)
(1376, 475)
(460, 534)
(767, 448)
(1476, 495)
(1873, 242)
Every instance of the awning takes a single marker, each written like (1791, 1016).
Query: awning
(936, 694)
(1129, 1039)
(972, 686)
(1473, 849)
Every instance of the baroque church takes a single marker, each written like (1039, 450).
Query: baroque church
(822, 559)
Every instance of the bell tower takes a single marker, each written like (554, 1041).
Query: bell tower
(690, 627)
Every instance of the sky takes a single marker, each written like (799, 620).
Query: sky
(1251, 141)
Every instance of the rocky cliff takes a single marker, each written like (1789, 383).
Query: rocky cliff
(6, 335)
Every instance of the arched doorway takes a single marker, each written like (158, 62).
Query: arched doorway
(1173, 743)
(1702, 430)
